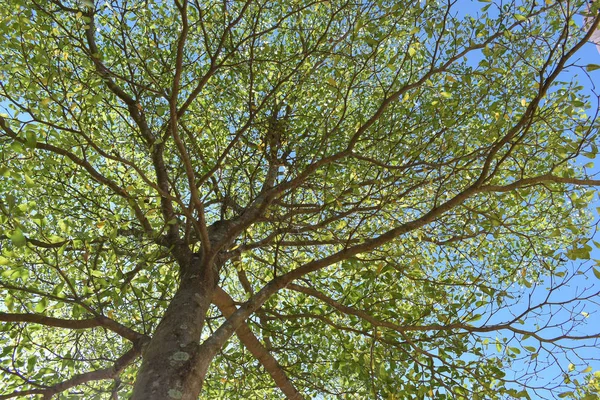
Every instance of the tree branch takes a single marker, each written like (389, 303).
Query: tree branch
(136, 113)
(225, 303)
(97, 176)
(199, 225)
(99, 321)
(547, 178)
(99, 374)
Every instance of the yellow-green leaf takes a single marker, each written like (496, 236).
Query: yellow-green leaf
(592, 67)
(97, 274)
(41, 305)
(28, 181)
(17, 238)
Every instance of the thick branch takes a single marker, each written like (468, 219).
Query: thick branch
(99, 321)
(225, 303)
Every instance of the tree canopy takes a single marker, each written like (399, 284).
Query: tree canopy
(304, 199)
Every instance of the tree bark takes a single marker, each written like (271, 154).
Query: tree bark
(172, 366)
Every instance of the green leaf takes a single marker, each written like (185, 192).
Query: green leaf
(31, 363)
(371, 42)
(565, 394)
(29, 182)
(522, 394)
(30, 139)
(592, 67)
(475, 318)
(17, 238)
(41, 305)
(596, 273)
(520, 17)
(17, 147)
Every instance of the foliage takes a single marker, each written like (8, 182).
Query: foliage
(390, 188)
(590, 390)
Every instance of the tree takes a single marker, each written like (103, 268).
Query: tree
(313, 197)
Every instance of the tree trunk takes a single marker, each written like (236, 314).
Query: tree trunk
(172, 368)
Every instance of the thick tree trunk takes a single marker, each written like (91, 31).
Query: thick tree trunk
(172, 366)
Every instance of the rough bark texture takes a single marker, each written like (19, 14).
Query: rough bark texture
(170, 366)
